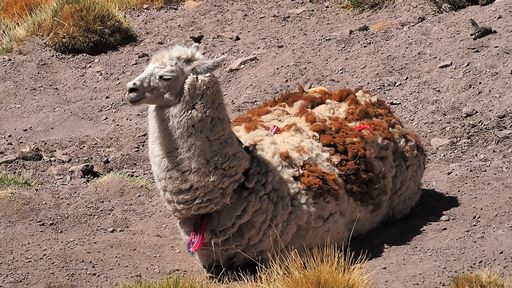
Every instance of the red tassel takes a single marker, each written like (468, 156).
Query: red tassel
(196, 237)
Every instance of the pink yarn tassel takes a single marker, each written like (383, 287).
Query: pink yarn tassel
(363, 127)
(196, 238)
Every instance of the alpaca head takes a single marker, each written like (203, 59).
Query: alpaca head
(163, 80)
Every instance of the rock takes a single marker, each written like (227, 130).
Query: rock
(8, 159)
(360, 28)
(297, 11)
(501, 115)
(31, 153)
(230, 35)
(191, 4)
(84, 170)
(145, 6)
(143, 55)
(480, 31)
(444, 64)
(96, 69)
(468, 112)
(504, 134)
(62, 156)
(111, 230)
(197, 38)
(395, 102)
(438, 142)
(444, 218)
(57, 171)
(238, 63)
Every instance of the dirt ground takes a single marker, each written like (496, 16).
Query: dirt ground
(100, 234)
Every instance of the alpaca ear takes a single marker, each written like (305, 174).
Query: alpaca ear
(207, 66)
(195, 48)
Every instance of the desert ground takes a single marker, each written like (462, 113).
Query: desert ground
(59, 111)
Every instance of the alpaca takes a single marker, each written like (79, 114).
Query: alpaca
(311, 167)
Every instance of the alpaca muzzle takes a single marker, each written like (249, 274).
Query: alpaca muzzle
(134, 98)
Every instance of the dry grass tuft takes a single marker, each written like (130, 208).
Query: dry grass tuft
(322, 267)
(482, 279)
(15, 10)
(18, 181)
(6, 193)
(172, 282)
(127, 4)
(113, 176)
(69, 26)
(85, 26)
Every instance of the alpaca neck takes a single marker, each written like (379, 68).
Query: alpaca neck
(196, 159)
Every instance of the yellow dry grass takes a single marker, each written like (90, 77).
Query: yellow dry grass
(482, 279)
(14, 10)
(120, 176)
(69, 26)
(172, 282)
(326, 267)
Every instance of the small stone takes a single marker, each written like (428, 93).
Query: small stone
(191, 4)
(297, 11)
(105, 160)
(197, 38)
(395, 102)
(62, 156)
(238, 63)
(445, 64)
(444, 218)
(31, 153)
(504, 134)
(360, 29)
(480, 236)
(8, 159)
(231, 35)
(143, 55)
(438, 142)
(111, 230)
(96, 69)
(83, 170)
(145, 6)
(468, 112)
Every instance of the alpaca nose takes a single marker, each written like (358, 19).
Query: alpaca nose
(132, 87)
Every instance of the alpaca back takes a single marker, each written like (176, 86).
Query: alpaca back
(338, 146)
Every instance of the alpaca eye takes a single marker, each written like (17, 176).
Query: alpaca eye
(165, 77)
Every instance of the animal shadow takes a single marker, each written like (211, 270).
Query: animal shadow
(429, 208)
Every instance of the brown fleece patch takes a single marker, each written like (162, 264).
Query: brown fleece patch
(350, 150)
(322, 184)
(288, 127)
(300, 149)
(284, 155)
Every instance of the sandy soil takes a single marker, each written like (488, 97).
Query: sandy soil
(100, 234)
